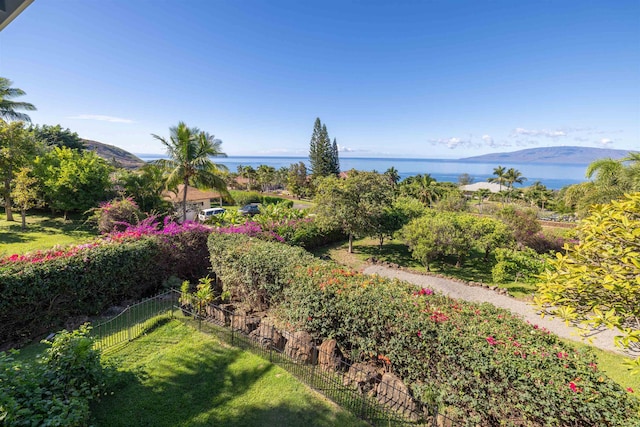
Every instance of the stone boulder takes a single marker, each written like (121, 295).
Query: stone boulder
(266, 335)
(244, 323)
(363, 377)
(329, 356)
(393, 393)
(300, 347)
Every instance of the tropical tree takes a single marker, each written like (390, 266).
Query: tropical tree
(56, 136)
(266, 176)
(145, 187)
(500, 176)
(393, 174)
(8, 107)
(25, 192)
(538, 194)
(249, 173)
(514, 176)
(17, 147)
(73, 180)
(609, 180)
(596, 281)
(482, 194)
(297, 183)
(189, 163)
(354, 204)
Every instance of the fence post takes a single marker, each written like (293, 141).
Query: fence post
(233, 315)
(271, 345)
(128, 323)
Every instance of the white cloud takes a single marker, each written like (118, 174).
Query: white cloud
(343, 149)
(452, 142)
(605, 141)
(545, 133)
(101, 118)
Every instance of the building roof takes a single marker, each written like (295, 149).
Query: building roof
(491, 186)
(193, 194)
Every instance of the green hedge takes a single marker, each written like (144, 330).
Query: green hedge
(39, 297)
(484, 364)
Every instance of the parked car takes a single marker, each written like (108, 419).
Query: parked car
(208, 213)
(251, 209)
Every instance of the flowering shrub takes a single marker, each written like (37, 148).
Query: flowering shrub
(42, 289)
(116, 215)
(483, 364)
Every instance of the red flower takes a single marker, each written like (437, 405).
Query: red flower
(491, 340)
(419, 334)
(629, 389)
(573, 387)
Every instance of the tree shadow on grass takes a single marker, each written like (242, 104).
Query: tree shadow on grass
(396, 253)
(209, 386)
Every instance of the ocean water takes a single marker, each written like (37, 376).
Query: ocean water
(554, 176)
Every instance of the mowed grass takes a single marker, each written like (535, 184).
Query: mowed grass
(177, 376)
(43, 232)
(474, 268)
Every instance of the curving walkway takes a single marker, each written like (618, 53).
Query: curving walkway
(602, 339)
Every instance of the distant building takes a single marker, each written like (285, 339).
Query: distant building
(472, 188)
(196, 199)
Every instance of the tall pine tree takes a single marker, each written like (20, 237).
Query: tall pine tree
(323, 156)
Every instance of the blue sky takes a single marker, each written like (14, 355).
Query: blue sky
(429, 79)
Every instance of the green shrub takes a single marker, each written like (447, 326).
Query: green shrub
(484, 364)
(242, 198)
(306, 233)
(253, 270)
(56, 389)
(517, 266)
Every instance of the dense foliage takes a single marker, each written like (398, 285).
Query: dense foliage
(356, 204)
(42, 290)
(479, 362)
(56, 389)
(323, 155)
(597, 282)
(439, 234)
(73, 181)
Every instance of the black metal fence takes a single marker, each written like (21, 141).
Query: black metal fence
(371, 393)
(133, 321)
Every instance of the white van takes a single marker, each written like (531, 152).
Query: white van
(208, 213)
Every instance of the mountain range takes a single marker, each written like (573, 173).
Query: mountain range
(561, 154)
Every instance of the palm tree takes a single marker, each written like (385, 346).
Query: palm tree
(393, 175)
(189, 151)
(249, 173)
(513, 176)
(482, 194)
(500, 176)
(8, 107)
(426, 188)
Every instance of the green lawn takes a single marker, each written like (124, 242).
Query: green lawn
(475, 268)
(43, 232)
(177, 376)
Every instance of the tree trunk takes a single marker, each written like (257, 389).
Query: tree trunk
(7, 196)
(24, 219)
(184, 201)
(350, 243)
(381, 243)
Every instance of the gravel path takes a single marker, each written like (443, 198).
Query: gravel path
(602, 339)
